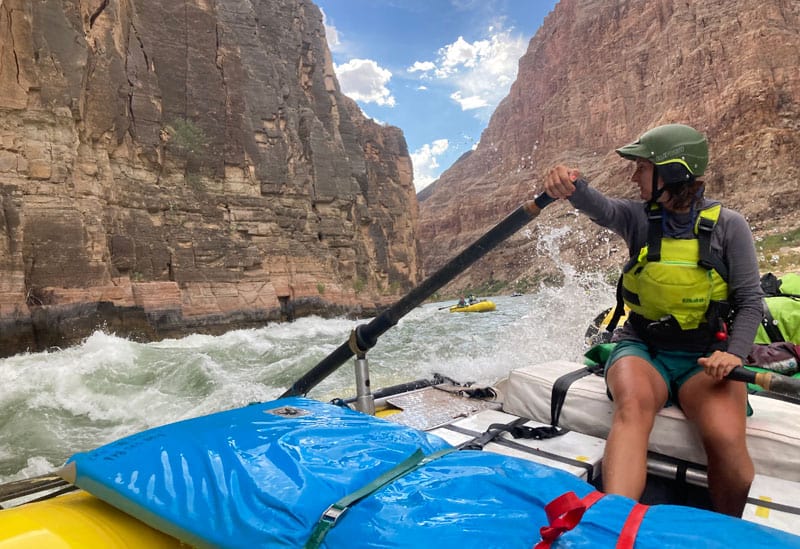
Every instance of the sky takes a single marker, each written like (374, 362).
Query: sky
(434, 68)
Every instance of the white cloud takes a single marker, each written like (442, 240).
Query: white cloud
(360, 79)
(460, 52)
(426, 166)
(364, 80)
(469, 103)
(481, 72)
(422, 66)
(332, 35)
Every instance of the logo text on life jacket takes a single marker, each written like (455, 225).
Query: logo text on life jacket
(693, 300)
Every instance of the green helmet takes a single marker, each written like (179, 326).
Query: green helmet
(670, 144)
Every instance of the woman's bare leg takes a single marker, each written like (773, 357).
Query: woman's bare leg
(639, 393)
(719, 409)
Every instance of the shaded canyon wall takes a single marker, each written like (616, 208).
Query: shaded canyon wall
(188, 165)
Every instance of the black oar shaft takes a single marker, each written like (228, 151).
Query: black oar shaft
(742, 374)
(770, 381)
(365, 336)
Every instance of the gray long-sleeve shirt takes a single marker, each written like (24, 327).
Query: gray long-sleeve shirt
(731, 240)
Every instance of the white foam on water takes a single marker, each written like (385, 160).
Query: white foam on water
(56, 403)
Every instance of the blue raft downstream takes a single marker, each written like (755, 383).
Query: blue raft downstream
(264, 476)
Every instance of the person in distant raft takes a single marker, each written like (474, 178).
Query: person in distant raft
(692, 285)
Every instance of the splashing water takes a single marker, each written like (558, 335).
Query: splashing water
(56, 403)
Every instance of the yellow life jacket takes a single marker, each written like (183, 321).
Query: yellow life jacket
(781, 320)
(676, 277)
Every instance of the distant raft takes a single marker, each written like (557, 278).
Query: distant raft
(300, 473)
(482, 306)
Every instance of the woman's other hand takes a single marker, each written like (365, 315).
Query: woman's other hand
(560, 181)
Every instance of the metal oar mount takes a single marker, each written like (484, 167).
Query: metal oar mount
(365, 336)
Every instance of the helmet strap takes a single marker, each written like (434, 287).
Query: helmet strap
(656, 192)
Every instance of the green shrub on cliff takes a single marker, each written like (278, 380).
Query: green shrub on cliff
(186, 138)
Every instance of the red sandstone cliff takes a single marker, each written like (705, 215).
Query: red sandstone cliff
(596, 75)
(187, 165)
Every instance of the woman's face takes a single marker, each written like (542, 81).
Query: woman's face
(643, 176)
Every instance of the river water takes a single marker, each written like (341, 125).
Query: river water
(56, 403)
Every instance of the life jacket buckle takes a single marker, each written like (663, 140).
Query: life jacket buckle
(654, 214)
(665, 326)
(706, 225)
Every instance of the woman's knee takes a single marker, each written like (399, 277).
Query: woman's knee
(636, 387)
(636, 409)
(725, 441)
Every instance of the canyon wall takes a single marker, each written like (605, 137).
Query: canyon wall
(188, 165)
(599, 73)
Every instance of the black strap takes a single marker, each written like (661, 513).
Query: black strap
(654, 234)
(770, 324)
(516, 429)
(770, 284)
(466, 389)
(560, 387)
(491, 433)
(708, 261)
(525, 431)
(585, 465)
(619, 310)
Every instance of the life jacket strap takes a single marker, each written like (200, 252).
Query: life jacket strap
(654, 233)
(619, 309)
(705, 226)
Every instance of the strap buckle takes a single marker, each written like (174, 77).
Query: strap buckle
(705, 224)
(332, 514)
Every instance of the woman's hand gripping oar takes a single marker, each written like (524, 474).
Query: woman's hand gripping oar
(723, 365)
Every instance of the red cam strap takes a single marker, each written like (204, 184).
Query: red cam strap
(627, 537)
(566, 511)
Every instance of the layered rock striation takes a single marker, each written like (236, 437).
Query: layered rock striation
(599, 73)
(189, 165)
